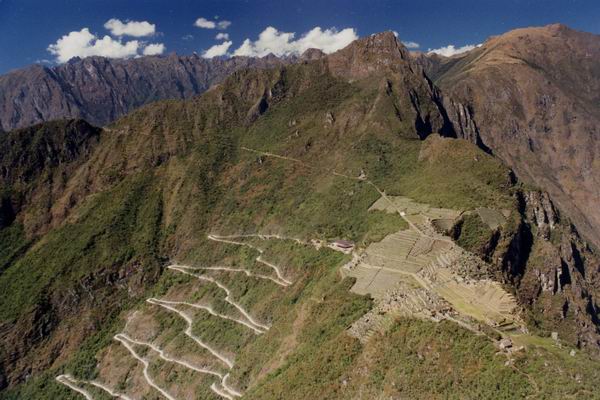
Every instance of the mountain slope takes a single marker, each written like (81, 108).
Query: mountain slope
(100, 90)
(285, 160)
(533, 96)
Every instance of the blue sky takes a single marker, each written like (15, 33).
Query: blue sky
(29, 27)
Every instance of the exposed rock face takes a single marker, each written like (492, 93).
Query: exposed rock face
(463, 122)
(430, 62)
(562, 278)
(554, 273)
(378, 53)
(541, 212)
(100, 89)
(531, 97)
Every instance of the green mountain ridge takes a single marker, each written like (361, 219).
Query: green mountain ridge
(302, 152)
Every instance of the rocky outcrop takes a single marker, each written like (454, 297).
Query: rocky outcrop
(463, 123)
(100, 89)
(562, 277)
(541, 212)
(554, 273)
(432, 63)
(375, 54)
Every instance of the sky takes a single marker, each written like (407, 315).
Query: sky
(52, 31)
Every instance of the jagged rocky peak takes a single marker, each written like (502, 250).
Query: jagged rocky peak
(379, 52)
(383, 43)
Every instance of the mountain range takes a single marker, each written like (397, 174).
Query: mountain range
(167, 216)
(101, 90)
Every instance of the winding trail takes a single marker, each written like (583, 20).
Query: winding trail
(228, 298)
(229, 269)
(382, 193)
(210, 310)
(230, 391)
(109, 390)
(221, 388)
(220, 392)
(123, 340)
(71, 383)
(367, 181)
(266, 153)
(532, 381)
(229, 388)
(227, 239)
(264, 236)
(188, 332)
(165, 357)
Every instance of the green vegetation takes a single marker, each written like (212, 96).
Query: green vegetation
(41, 387)
(275, 194)
(323, 349)
(474, 233)
(119, 227)
(13, 244)
(425, 360)
(441, 172)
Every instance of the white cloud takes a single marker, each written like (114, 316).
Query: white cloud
(451, 50)
(411, 44)
(222, 36)
(154, 49)
(205, 24)
(217, 50)
(84, 44)
(130, 28)
(187, 37)
(224, 24)
(282, 43)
